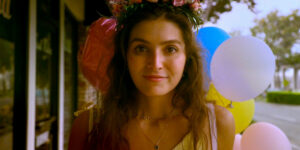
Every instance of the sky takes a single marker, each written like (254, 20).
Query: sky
(240, 18)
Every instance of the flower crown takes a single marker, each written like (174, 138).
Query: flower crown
(122, 9)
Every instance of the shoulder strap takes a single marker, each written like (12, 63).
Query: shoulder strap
(213, 127)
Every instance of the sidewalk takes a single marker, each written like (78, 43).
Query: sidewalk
(286, 117)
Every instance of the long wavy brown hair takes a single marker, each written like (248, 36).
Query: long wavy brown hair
(119, 105)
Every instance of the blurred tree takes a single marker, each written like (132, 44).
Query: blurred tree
(281, 33)
(214, 8)
(235, 33)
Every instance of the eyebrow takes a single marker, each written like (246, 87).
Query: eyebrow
(171, 41)
(164, 42)
(138, 40)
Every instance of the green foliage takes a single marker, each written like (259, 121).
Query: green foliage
(235, 33)
(286, 83)
(280, 33)
(220, 6)
(284, 97)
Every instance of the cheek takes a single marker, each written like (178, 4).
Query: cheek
(134, 65)
(130, 64)
(178, 65)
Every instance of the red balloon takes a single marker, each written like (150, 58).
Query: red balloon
(98, 52)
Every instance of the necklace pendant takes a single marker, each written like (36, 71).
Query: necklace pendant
(156, 147)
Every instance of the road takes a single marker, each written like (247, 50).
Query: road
(286, 117)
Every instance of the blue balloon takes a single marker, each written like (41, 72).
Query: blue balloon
(210, 38)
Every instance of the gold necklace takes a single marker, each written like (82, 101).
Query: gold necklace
(156, 144)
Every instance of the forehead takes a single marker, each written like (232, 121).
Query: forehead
(156, 30)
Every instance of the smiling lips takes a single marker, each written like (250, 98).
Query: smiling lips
(154, 78)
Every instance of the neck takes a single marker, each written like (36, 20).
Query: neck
(156, 107)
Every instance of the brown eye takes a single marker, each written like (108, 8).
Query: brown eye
(140, 49)
(172, 49)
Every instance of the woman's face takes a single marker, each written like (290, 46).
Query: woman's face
(156, 56)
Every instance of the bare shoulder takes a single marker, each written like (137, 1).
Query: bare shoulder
(225, 128)
(79, 131)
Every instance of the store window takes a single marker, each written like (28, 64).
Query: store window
(43, 78)
(7, 66)
(46, 74)
(6, 93)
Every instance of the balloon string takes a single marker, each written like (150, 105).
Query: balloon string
(230, 105)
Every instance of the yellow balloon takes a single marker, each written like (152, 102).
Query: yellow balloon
(214, 96)
(242, 112)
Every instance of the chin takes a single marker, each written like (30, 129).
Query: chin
(154, 93)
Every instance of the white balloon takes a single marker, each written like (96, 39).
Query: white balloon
(242, 68)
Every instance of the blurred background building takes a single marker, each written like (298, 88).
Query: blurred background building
(40, 83)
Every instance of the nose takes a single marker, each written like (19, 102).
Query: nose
(155, 60)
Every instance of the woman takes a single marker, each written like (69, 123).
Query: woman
(156, 98)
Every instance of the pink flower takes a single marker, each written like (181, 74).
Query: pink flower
(117, 9)
(178, 2)
(196, 6)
